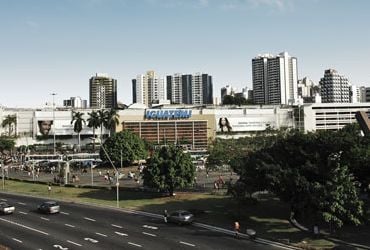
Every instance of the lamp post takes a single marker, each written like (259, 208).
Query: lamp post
(115, 169)
(53, 94)
(2, 171)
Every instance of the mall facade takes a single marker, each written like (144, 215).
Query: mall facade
(193, 127)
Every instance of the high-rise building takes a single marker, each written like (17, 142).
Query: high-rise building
(75, 102)
(103, 92)
(149, 88)
(227, 90)
(275, 79)
(364, 94)
(307, 90)
(354, 93)
(190, 89)
(334, 87)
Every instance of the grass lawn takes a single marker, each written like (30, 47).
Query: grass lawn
(269, 217)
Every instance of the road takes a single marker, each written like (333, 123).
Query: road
(88, 227)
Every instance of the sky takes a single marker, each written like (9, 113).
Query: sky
(55, 46)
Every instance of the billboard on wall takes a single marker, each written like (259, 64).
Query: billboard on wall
(225, 123)
(46, 124)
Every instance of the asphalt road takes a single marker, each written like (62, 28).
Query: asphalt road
(88, 227)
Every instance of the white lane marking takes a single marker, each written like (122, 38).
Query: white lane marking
(21, 203)
(74, 243)
(29, 228)
(149, 234)
(22, 212)
(122, 234)
(113, 225)
(91, 240)
(43, 218)
(4, 199)
(101, 234)
(17, 240)
(69, 225)
(186, 243)
(150, 227)
(87, 218)
(137, 245)
(60, 247)
(64, 213)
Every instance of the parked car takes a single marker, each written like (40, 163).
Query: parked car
(49, 207)
(5, 208)
(181, 217)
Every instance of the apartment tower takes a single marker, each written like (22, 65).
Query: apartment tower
(275, 79)
(103, 92)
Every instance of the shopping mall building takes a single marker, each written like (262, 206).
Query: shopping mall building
(191, 126)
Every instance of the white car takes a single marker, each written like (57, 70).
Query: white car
(5, 208)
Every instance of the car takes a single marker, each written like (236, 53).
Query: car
(181, 217)
(5, 208)
(49, 207)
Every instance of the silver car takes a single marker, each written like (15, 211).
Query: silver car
(5, 208)
(181, 217)
(49, 207)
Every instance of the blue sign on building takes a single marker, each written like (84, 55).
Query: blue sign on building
(167, 114)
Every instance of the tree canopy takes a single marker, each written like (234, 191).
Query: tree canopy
(126, 144)
(169, 168)
(311, 172)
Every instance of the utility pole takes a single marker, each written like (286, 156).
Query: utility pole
(53, 94)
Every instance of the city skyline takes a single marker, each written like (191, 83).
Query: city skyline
(56, 46)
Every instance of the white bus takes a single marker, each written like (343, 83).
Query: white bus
(39, 158)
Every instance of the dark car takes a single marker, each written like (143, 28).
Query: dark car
(181, 217)
(5, 208)
(49, 207)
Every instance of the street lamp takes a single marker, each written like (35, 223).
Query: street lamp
(2, 171)
(115, 169)
(53, 94)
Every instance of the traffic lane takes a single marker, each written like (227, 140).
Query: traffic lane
(21, 236)
(76, 228)
(86, 234)
(132, 222)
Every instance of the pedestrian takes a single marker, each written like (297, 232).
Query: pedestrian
(165, 216)
(49, 189)
(236, 229)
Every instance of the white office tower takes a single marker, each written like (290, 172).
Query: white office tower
(334, 87)
(355, 94)
(150, 88)
(275, 79)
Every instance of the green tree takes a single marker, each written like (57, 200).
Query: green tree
(102, 121)
(9, 121)
(112, 120)
(228, 100)
(6, 144)
(168, 169)
(93, 122)
(124, 143)
(78, 121)
(299, 169)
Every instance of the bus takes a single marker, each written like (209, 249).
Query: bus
(39, 158)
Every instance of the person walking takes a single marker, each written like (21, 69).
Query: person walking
(49, 189)
(236, 229)
(165, 215)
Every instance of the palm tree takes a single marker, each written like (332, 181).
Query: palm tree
(8, 122)
(102, 121)
(112, 120)
(93, 122)
(78, 122)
